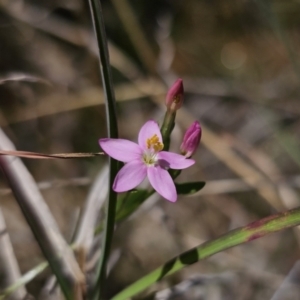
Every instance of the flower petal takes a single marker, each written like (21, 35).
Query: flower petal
(130, 176)
(120, 149)
(191, 139)
(174, 160)
(174, 98)
(162, 182)
(148, 130)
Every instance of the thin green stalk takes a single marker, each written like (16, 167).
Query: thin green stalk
(26, 278)
(167, 128)
(112, 128)
(233, 238)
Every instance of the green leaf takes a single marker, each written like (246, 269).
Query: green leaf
(189, 188)
(131, 201)
(127, 204)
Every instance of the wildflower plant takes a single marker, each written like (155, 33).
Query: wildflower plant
(145, 159)
(148, 158)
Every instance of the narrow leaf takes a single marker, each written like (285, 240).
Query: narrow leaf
(189, 188)
(130, 203)
(127, 205)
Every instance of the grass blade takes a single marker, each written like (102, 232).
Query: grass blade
(26, 278)
(233, 238)
(112, 128)
(9, 268)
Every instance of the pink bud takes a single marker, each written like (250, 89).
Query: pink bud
(191, 140)
(174, 98)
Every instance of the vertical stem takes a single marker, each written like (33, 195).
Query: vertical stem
(112, 132)
(167, 128)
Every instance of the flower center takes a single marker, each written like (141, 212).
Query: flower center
(149, 158)
(153, 146)
(154, 143)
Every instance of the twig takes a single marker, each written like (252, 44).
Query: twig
(35, 155)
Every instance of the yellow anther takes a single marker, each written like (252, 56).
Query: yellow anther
(154, 143)
(176, 99)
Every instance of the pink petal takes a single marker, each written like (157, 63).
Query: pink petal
(120, 149)
(174, 98)
(130, 176)
(174, 160)
(148, 130)
(162, 182)
(191, 139)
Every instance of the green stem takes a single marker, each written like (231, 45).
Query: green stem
(112, 128)
(167, 127)
(26, 278)
(233, 238)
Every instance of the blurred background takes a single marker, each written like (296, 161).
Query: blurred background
(240, 64)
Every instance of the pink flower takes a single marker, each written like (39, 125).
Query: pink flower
(145, 159)
(191, 140)
(174, 98)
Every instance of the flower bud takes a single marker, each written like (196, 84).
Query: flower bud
(191, 140)
(174, 98)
